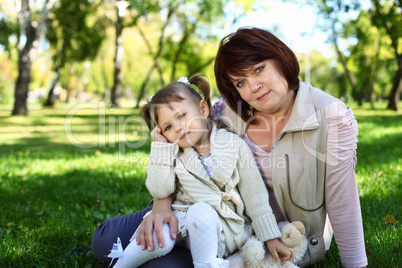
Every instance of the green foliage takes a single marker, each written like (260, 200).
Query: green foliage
(75, 39)
(8, 29)
(54, 194)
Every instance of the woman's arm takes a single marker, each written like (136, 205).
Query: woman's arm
(161, 213)
(341, 194)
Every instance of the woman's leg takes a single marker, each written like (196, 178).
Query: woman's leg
(124, 226)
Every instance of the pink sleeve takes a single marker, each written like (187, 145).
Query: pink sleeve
(218, 107)
(341, 195)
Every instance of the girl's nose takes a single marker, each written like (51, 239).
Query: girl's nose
(178, 126)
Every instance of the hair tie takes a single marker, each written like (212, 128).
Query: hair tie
(184, 80)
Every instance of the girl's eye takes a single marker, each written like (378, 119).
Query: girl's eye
(168, 127)
(259, 69)
(240, 84)
(182, 116)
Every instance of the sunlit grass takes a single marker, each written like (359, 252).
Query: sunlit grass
(60, 178)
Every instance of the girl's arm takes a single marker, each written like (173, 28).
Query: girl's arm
(161, 185)
(161, 213)
(341, 195)
(256, 200)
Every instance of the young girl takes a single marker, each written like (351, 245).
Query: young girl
(220, 198)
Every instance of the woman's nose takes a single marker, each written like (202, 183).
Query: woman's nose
(255, 86)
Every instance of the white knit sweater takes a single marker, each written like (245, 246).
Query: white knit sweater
(235, 188)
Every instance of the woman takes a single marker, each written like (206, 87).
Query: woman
(303, 140)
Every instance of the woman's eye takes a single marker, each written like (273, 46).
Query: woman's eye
(240, 84)
(259, 69)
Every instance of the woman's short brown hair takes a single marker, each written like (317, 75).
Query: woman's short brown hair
(244, 48)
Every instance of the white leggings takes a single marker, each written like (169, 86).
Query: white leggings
(204, 240)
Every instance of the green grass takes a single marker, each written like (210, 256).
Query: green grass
(60, 178)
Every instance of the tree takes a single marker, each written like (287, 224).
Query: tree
(73, 40)
(389, 17)
(185, 31)
(33, 32)
(137, 8)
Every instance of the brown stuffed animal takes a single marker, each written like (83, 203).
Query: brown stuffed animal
(254, 254)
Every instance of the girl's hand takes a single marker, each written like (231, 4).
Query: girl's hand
(156, 135)
(279, 251)
(161, 213)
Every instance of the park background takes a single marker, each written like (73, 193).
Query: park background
(73, 149)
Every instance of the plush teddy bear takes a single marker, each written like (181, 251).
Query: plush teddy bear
(254, 254)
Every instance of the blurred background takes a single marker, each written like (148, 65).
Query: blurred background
(60, 52)
(74, 151)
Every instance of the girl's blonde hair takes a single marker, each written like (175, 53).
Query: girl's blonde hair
(173, 92)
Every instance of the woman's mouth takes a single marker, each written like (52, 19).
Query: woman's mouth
(263, 96)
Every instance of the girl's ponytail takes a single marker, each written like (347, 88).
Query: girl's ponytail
(203, 86)
(145, 113)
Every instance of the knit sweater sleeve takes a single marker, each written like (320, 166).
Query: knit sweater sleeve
(160, 170)
(255, 196)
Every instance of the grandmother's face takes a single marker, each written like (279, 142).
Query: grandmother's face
(263, 87)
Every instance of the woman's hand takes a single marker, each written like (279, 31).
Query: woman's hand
(161, 213)
(279, 251)
(156, 135)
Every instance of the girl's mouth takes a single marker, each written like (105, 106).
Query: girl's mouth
(182, 136)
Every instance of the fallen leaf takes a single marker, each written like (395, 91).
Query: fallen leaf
(97, 153)
(389, 219)
(92, 167)
(10, 224)
(368, 253)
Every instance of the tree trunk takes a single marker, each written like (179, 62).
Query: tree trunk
(118, 58)
(50, 97)
(22, 84)
(395, 95)
(394, 35)
(156, 57)
(349, 74)
(27, 54)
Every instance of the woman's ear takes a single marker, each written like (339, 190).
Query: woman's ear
(204, 109)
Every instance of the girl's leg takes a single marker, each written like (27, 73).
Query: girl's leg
(134, 256)
(203, 225)
(124, 226)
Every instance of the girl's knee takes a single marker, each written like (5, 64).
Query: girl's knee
(201, 215)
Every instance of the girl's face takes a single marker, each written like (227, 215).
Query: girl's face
(263, 87)
(184, 123)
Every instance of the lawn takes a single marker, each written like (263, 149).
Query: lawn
(63, 171)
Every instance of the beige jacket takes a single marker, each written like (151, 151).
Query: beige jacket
(298, 161)
(234, 189)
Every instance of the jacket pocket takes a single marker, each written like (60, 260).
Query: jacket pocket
(305, 188)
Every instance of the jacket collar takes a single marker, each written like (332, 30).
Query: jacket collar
(303, 115)
(224, 152)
